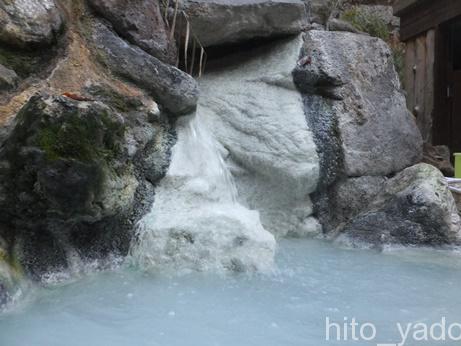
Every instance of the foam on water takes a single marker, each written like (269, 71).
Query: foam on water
(196, 222)
(314, 280)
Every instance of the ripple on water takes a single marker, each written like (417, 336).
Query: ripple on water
(313, 280)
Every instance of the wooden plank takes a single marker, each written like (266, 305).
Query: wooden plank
(404, 5)
(409, 82)
(456, 111)
(429, 92)
(420, 81)
(427, 15)
(441, 132)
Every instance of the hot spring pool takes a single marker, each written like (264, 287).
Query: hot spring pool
(314, 280)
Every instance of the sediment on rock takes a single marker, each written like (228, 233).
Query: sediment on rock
(256, 113)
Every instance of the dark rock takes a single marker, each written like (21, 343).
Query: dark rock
(141, 23)
(415, 208)
(218, 22)
(8, 78)
(172, 88)
(39, 62)
(71, 181)
(341, 202)
(323, 123)
(29, 23)
(4, 296)
(439, 156)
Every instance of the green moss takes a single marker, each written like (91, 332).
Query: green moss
(370, 23)
(111, 97)
(48, 140)
(24, 63)
(11, 270)
(87, 140)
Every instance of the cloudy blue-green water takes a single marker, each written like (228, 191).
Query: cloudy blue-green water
(313, 281)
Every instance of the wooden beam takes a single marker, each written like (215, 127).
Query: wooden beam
(404, 5)
(427, 15)
(420, 81)
(410, 69)
(429, 92)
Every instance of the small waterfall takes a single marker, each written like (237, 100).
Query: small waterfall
(198, 162)
(196, 222)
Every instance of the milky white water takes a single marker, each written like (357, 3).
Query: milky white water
(288, 308)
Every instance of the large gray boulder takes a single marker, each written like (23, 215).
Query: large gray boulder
(217, 22)
(172, 88)
(378, 134)
(414, 208)
(141, 23)
(29, 22)
(72, 179)
(255, 111)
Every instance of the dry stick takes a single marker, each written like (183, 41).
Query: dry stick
(166, 3)
(202, 51)
(173, 26)
(204, 62)
(193, 59)
(203, 55)
(178, 54)
(186, 44)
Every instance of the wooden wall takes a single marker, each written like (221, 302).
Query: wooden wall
(418, 16)
(419, 80)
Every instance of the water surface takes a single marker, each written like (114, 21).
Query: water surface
(314, 280)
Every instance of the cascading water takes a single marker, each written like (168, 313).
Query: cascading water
(196, 221)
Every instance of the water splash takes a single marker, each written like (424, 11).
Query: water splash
(196, 222)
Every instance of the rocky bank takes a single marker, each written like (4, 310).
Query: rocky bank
(311, 123)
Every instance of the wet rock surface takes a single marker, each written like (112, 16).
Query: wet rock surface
(8, 78)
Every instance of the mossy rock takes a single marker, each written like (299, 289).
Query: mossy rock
(85, 139)
(366, 22)
(60, 155)
(67, 130)
(109, 96)
(72, 176)
(25, 63)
